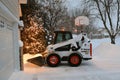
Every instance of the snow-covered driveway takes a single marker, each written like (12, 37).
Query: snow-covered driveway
(105, 65)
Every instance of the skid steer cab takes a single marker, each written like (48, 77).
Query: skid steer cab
(67, 48)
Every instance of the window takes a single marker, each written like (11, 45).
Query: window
(62, 37)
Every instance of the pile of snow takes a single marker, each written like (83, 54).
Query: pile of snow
(107, 51)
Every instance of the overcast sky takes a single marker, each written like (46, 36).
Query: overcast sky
(70, 3)
(73, 3)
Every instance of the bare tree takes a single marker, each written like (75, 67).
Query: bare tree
(84, 11)
(109, 12)
(53, 13)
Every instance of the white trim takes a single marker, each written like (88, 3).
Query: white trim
(16, 47)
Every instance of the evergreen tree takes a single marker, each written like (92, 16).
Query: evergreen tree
(33, 34)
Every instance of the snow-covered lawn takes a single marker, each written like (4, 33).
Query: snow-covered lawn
(105, 65)
(97, 42)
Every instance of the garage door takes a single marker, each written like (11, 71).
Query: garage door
(6, 49)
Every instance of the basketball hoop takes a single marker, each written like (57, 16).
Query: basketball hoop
(81, 20)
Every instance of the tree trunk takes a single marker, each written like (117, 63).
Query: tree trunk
(112, 39)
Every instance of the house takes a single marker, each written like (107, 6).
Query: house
(100, 33)
(9, 38)
(103, 32)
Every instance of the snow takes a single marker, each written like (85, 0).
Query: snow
(105, 65)
(20, 43)
(97, 42)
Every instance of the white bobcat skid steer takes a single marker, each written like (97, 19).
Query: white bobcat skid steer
(65, 48)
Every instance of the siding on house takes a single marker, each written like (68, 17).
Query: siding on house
(9, 47)
(6, 53)
(12, 5)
